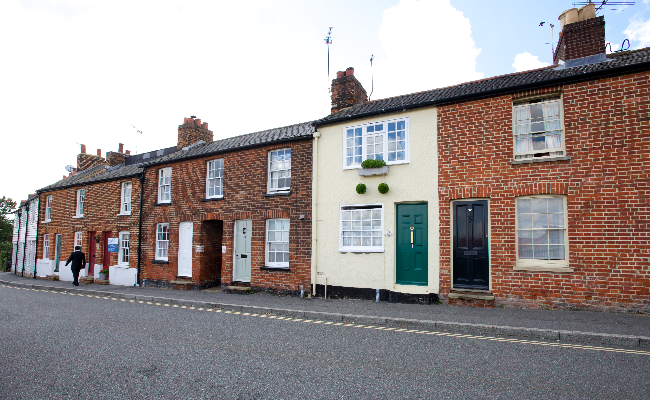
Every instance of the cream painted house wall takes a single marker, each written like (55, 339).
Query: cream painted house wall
(415, 182)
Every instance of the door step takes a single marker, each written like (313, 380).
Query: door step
(237, 289)
(87, 279)
(472, 298)
(181, 285)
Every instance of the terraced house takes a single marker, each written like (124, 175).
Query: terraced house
(534, 192)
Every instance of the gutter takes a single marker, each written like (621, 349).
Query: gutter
(314, 214)
(439, 102)
(141, 178)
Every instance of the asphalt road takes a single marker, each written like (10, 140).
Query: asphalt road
(57, 345)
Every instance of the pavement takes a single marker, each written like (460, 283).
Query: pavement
(582, 327)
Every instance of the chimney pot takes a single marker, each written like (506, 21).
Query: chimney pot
(99, 152)
(121, 148)
(340, 74)
(128, 152)
(204, 125)
(197, 121)
(188, 120)
(83, 148)
(349, 71)
(587, 12)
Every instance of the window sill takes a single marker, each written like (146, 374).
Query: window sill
(285, 269)
(122, 214)
(277, 194)
(540, 160)
(373, 171)
(360, 251)
(159, 262)
(163, 204)
(46, 221)
(212, 199)
(540, 268)
(78, 216)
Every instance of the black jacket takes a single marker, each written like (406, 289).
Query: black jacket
(78, 259)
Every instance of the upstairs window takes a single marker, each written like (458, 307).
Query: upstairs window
(81, 195)
(384, 140)
(125, 204)
(48, 209)
(165, 185)
(538, 129)
(214, 179)
(279, 171)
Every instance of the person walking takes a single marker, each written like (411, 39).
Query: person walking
(78, 259)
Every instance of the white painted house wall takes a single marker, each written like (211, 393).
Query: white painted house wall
(25, 226)
(416, 181)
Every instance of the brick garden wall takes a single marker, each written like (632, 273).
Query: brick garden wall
(101, 206)
(607, 125)
(245, 183)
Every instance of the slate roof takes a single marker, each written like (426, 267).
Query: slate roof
(95, 174)
(617, 63)
(103, 173)
(303, 130)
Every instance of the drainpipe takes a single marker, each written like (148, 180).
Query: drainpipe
(36, 241)
(314, 214)
(20, 213)
(141, 178)
(22, 272)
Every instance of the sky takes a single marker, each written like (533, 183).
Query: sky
(95, 72)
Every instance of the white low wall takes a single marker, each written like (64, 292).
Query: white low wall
(65, 273)
(44, 268)
(122, 275)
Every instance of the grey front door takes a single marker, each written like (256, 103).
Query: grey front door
(242, 264)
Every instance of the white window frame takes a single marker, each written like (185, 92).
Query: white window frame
(165, 185)
(527, 126)
(46, 246)
(48, 208)
(272, 170)
(125, 198)
(81, 198)
(342, 229)
(532, 263)
(275, 241)
(123, 251)
(162, 236)
(78, 239)
(216, 180)
(365, 135)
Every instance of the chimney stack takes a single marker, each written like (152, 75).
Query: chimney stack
(193, 130)
(128, 152)
(347, 91)
(85, 160)
(121, 148)
(582, 35)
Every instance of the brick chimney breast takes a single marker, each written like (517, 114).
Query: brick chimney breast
(347, 91)
(85, 160)
(582, 35)
(191, 131)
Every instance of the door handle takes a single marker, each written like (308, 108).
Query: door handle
(411, 237)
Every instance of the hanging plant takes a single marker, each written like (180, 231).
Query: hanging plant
(383, 188)
(361, 188)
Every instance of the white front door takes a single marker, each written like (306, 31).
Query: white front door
(242, 269)
(185, 248)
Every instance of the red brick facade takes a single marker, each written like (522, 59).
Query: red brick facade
(244, 186)
(606, 184)
(101, 209)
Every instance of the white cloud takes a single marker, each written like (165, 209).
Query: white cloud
(428, 44)
(639, 30)
(526, 61)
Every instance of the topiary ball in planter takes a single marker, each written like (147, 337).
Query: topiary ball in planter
(361, 188)
(383, 188)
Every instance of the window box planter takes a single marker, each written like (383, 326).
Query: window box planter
(373, 171)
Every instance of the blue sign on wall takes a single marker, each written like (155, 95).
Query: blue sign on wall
(113, 245)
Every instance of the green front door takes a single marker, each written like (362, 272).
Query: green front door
(412, 261)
